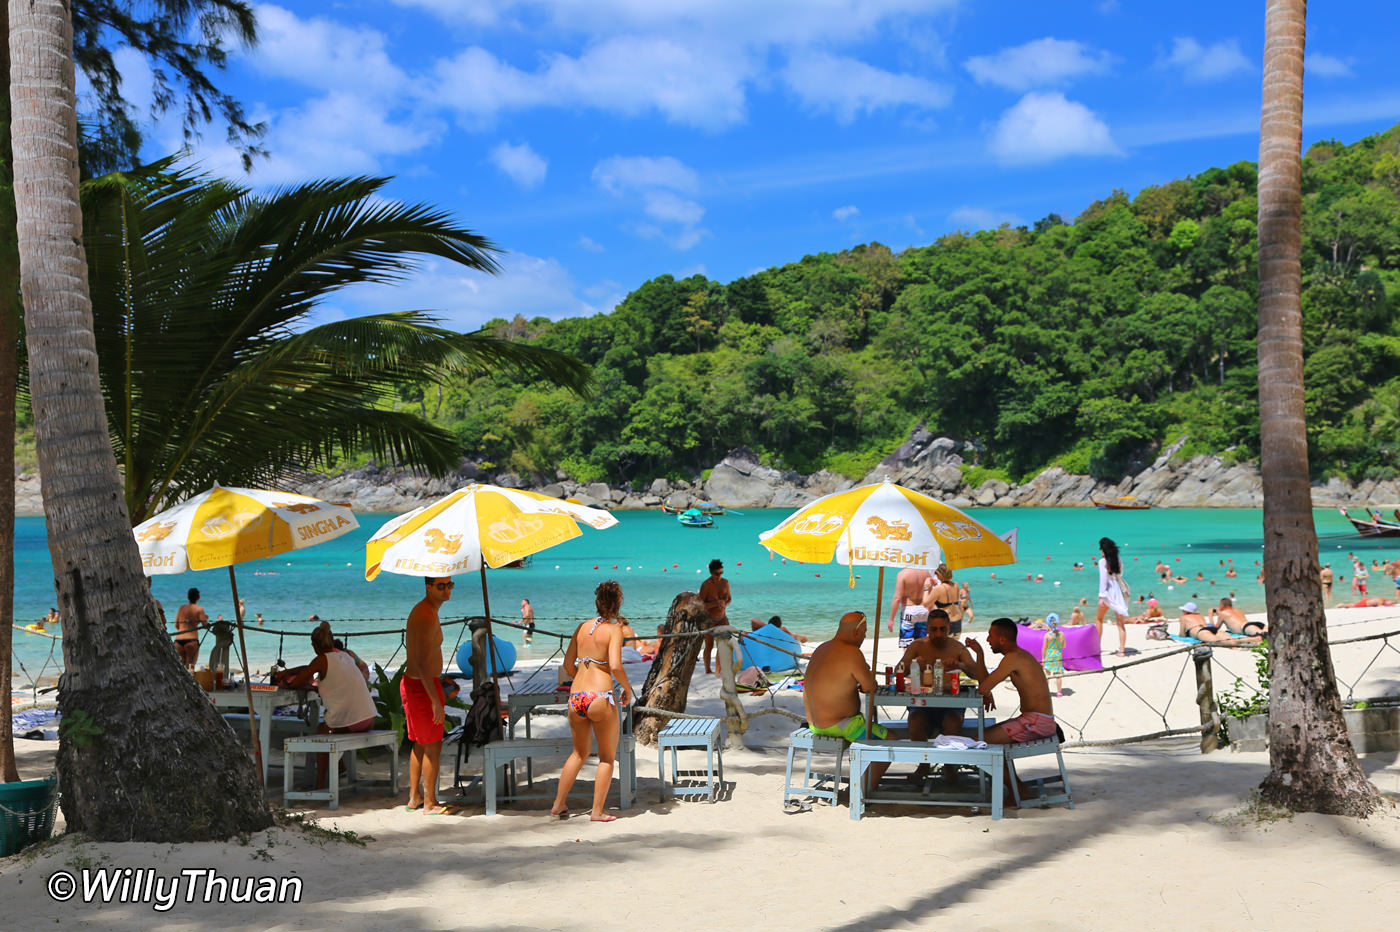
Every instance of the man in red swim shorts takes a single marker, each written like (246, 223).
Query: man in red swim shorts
(1037, 718)
(421, 691)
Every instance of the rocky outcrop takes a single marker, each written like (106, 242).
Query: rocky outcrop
(925, 462)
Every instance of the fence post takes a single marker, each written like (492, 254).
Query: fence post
(1205, 699)
(738, 722)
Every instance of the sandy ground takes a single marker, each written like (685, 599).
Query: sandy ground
(1162, 837)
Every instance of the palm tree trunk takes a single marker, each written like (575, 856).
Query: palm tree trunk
(1312, 764)
(143, 755)
(9, 383)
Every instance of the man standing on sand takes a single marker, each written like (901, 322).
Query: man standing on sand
(908, 590)
(837, 675)
(714, 592)
(1037, 718)
(421, 692)
(188, 618)
(527, 618)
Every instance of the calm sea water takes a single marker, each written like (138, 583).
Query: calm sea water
(654, 559)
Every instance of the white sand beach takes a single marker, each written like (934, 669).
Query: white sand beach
(1162, 837)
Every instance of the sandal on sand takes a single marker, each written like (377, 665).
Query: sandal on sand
(413, 808)
(794, 806)
(607, 817)
(559, 816)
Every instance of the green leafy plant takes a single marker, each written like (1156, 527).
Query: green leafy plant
(388, 707)
(78, 727)
(1242, 700)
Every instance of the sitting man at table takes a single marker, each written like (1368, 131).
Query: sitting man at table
(937, 645)
(345, 699)
(1037, 718)
(837, 675)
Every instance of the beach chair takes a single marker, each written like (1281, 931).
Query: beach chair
(826, 785)
(1042, 786)
(707, 733)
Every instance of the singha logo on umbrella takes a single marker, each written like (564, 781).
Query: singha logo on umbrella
(510, 530)
(888, 530)
(156, 532)
(223, 525)
(301, 508)
(438, 542)
(818, 524)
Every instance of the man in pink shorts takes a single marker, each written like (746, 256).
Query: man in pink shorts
(1037, 718)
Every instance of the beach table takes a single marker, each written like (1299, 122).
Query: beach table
(265, 699)
(989, 761)
(530, 695)
(921, 698)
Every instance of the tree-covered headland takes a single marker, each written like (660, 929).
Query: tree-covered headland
(1087, 343)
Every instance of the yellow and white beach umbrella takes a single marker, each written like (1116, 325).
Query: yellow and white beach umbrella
(227, 526)
(882, 525)
(475, 525)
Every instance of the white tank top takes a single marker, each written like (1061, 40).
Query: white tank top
(345, 698)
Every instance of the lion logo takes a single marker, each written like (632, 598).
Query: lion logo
(889, 530)
(439, 542)
(508, 531)
(301, 508)
(156, 532)
(818, 524)
(221, 526)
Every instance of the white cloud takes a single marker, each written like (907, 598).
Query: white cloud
(1042, 127)
(324, 54)
(520, 163)
(1039, 63)
(845, 213)
(847, 87)
(982, 218)
(1204, 63)
(587, 242)
(630, 75)
(1326, 66)
(659, 186)
(465, 300)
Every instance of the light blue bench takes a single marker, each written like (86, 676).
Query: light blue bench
(499, 757)
(827, 785)
(707, 733)
(1045, 797)
(335, 745)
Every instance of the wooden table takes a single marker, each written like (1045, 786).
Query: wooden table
(264, 701)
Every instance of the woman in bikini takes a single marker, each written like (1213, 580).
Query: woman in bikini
(944, 595)
(594, 659)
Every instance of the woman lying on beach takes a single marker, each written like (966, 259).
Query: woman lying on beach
(345, 698)
(594, 658)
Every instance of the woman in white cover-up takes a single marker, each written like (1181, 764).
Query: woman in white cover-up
(1111, 593)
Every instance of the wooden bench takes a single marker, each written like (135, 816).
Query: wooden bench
(989, 760)
(335, 745)
(827, 785)
(707, 733)
(502, 755)
(1039, 746)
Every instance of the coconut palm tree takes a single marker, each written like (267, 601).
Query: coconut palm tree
(1312, 764)
(142, 754)
(199, 290)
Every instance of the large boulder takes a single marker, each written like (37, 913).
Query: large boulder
(741, 481)
(598, 491)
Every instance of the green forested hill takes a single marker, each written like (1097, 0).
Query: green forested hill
(1083, 343)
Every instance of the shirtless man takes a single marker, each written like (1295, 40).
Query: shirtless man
(1234, 620)
(187, 621)
(421, 692)
(1327, 579)
(937, 646)
(837, 675)
(527, 618)
(1194, 625)
(1037, 718)
(908, 589)
(756, 624)
(714, 592)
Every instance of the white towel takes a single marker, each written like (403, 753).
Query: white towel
(957, 742)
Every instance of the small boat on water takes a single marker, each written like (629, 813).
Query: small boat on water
(694, 517)
(670, 509)
(710, 508)
(1376, 526)
(1121, 503)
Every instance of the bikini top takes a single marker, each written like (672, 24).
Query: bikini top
(596, 623)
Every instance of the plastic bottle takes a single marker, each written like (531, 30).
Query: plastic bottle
(939, 684)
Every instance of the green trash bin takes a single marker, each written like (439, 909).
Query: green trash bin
(26, 813)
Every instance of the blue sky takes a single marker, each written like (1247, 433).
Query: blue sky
(604, 142)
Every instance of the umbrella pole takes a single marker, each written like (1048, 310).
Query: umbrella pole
(248, 683)
(875, 652)
(493, 658)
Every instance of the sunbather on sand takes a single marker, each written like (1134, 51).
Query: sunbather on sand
(755, 624)
(1235, 621)
(1194, 625)
(837, 675)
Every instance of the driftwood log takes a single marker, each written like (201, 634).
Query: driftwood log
(668, 682)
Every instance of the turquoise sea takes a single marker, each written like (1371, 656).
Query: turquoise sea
(654, 559)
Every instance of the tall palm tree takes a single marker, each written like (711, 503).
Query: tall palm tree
(142, 755)
(198, 287)
(1312, 764)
